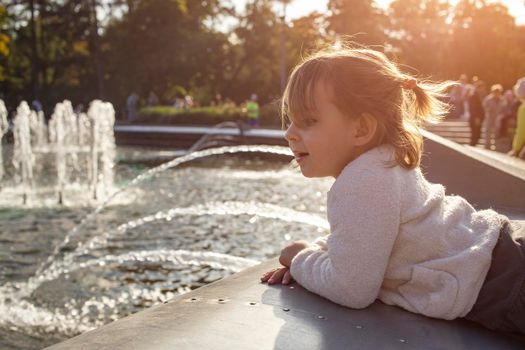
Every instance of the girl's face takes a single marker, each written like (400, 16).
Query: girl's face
(324, 143)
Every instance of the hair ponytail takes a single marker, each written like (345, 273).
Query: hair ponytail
(423, 102)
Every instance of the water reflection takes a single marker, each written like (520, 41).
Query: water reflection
(171, 231)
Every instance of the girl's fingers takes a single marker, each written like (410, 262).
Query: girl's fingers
(267, 275)
(277, 276)
(287, 278)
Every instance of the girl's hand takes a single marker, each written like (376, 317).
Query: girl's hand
(290, 251)
(278, 275)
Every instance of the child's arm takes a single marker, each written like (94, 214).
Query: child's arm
(322, 242)
(364, 213)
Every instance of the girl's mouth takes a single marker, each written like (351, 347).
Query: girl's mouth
(300, 156)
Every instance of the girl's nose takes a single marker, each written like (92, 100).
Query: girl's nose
(291, 133)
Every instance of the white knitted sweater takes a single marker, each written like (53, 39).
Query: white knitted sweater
(397, 237)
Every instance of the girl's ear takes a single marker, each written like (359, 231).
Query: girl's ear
(366, 129)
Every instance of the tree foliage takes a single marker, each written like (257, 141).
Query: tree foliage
(486, 41)
(417, 29)
(360, 19)
(4, 41)
(176, 47)
(163, 46)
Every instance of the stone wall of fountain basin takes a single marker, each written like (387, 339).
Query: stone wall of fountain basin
(186, 136)
(485, 182)
(240, 313)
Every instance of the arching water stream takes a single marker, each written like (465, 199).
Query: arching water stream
(164, 231)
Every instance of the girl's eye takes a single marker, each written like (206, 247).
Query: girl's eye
(310, 121)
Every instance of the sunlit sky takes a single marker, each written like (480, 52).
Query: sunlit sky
(299, 8)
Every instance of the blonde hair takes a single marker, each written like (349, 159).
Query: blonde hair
(366, 81)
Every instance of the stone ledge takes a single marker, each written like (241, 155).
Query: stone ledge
(239, 312)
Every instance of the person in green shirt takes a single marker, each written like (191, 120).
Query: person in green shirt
(252, 111)
(518, 144)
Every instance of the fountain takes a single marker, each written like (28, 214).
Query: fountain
(78, 149)
(156, 234)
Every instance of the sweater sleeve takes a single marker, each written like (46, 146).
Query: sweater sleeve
(321, 242)
(364, 216)
(519, 137)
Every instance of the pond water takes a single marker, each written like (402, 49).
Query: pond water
(64, 271)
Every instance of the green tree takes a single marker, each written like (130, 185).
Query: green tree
(255, 55)
(4, 42)
(50, 55)
(163, 46)
(358, 18)
(419, 33)
(306, 34)
(179, 46)
(485, 42)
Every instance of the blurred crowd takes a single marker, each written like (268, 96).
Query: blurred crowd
(492, 110)
(496, 113)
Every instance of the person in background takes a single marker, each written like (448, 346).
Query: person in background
(494, 106)
(459, 96)
(79, 108)
(188, 102)
(466, 88)
(252, 111)
(511, 108)
(218, 99)
(36, 105)
(480, 86)
(518, 143)
(177, 102)
(476, 112)
(132, 104)
(153, 100)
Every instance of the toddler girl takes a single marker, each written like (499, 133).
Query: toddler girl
(394, 236)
